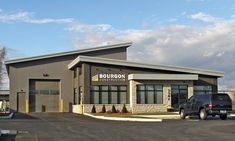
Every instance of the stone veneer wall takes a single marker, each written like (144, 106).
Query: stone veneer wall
(149, 108)
(138, 108)
(108, 107)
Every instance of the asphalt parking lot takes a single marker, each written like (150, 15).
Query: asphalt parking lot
(71, 127)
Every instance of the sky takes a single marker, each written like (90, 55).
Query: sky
(191, 33)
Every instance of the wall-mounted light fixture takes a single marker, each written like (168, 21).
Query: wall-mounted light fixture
(45, 75)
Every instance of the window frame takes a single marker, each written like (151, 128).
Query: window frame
(203, 90)
(145, 90)
(109, 90)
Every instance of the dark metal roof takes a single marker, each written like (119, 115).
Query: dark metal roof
(127, 44)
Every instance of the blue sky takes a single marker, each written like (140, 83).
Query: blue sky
(201, 33)
(32, 39)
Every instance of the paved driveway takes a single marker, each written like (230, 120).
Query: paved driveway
(71, 127)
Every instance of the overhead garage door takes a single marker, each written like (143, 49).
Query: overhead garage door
(44, 95)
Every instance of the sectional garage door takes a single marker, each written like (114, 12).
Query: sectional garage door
(44, 95)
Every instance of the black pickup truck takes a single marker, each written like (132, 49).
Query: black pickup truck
(207, 104)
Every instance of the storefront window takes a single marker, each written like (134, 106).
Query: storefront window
(113, 94)
(104, 95)
(149, 94)
(122, 94)
(95, 95)
(202, 89)
(122, 97)
(158, 94)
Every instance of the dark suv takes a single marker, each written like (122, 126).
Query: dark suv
(206, 104)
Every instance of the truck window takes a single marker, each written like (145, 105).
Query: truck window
(221, 97)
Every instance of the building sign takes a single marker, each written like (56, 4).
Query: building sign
(109, 77)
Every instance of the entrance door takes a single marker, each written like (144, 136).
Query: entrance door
(21, 102)
(179, 95)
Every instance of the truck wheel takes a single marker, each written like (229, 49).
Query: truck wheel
(223, 117)
(182, 114)
(202, 114)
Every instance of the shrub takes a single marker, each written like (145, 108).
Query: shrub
(103, 109)
(124, 110)
(109, 112)
(93, 110)
(114, 109)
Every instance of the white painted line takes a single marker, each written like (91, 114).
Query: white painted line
(124, 119)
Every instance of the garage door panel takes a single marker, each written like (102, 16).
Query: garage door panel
(47, 103)
(45, 96)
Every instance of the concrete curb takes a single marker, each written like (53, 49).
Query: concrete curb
(160, 116)
(7, 117)
(232, 115)
(10, 132)
(124, 119)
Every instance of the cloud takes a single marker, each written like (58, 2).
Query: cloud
(233, 16)
(27, 17)
(205, 17)
(172, 20)
(207, 46)
(79, 27)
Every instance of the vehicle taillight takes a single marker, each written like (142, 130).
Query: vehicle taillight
(210, 105)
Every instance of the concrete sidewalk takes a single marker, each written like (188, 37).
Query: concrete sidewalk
(171, 116)
(160, 116)
(144, 118)
(140, 119)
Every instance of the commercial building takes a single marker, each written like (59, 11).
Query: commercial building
(4, 95)
(77, 80)
(4, 101)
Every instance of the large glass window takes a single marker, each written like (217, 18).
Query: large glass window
(158, 91)
(202, 89)
(113, 94)
(179, 94)
(122, 94)
(95, 94)
(149, 94)
(104, 95)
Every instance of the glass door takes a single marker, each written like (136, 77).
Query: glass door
(179, 95)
